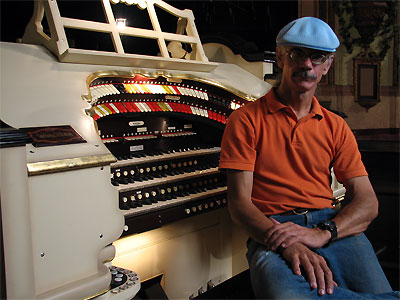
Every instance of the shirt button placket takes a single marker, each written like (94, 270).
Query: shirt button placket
(295, 138)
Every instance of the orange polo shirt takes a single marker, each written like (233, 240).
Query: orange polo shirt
(291, 159)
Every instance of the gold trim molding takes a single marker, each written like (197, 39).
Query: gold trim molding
(69, 164)
(98, 294)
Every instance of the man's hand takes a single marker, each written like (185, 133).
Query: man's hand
(316, 270)
(286, 234)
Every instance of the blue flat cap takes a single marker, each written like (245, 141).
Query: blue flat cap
(308, 32)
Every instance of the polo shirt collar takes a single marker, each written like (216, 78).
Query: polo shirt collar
(274, 105)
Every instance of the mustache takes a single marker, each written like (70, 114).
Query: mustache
(305, 74)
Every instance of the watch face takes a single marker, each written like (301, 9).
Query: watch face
(331, 227)
(327, 227)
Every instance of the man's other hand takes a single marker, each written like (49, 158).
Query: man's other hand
(316, 270)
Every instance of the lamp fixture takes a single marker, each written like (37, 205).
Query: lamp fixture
(121, 23)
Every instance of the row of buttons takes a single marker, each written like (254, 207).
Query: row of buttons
(162, 213)
(130, 174)
(105, 109)
(102, 90)
(149, 196)
(205, 206)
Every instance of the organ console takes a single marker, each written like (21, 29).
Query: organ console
(122, 183)
(159, 128)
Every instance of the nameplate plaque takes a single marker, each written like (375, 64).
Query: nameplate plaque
(53, 135)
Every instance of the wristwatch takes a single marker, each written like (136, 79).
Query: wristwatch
(331, 227)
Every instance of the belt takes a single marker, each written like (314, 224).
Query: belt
(297, 211)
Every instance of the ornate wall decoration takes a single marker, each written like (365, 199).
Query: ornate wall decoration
(375, 23)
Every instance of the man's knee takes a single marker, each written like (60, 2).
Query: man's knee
(292, 287)
(272, 278)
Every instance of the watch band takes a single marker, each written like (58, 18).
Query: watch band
(331, 227)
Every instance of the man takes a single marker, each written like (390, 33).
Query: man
(278, 153)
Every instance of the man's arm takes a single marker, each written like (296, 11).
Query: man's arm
(353, 219)
(247, 215)
(362, 209)
(242, 210)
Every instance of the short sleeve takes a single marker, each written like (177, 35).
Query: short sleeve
(347, 163)
(238, 143)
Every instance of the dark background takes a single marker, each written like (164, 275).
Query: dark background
(249, 25)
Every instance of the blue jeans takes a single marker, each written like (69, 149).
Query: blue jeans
(352, 261)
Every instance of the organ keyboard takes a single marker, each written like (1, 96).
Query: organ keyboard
(159, 131)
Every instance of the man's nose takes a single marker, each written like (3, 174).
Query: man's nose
(306, 62)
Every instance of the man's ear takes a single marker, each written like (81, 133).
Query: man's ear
(328, 64)
(279, 56)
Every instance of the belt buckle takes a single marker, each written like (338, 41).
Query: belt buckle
(302, 211)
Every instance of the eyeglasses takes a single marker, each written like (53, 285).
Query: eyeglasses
(316, 58)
